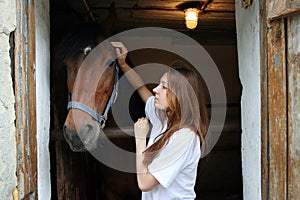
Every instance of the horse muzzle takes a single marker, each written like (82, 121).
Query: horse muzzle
(84, 139)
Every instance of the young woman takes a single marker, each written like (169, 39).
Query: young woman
(167, 164)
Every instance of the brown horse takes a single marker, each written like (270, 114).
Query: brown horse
(92, 84)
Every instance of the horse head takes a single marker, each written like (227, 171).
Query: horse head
(92, 76)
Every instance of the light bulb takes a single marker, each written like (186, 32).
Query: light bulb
(191, 18)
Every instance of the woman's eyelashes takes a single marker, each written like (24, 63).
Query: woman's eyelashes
(163, 85)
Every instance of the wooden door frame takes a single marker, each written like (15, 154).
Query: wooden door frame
(264, 101)
(276, 137)
(25, 97)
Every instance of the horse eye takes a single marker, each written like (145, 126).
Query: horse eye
(87, 50)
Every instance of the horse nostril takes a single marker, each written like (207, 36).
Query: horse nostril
(64, 129)
(89, 128)
(67, 135)
(73, 139)
(87, 131)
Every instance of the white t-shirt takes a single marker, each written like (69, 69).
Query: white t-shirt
(175, 167)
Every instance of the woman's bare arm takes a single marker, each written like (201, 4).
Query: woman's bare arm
(134, 79)
(146, 180)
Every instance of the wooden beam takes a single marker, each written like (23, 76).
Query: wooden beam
(282, 8)
(293, 31)
(159, 4)
(264, 102)
(26, 99)
(277, 107)
(161, 14)
(213, 25)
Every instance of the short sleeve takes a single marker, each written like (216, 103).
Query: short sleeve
(154, 120)
(173, 157)
(150, 108)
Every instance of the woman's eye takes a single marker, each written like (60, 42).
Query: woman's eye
(164, 87)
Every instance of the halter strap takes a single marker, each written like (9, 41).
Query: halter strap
(99, 118)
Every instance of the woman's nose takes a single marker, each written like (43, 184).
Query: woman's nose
(155, 90)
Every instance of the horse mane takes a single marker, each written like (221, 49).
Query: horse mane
(77, 39)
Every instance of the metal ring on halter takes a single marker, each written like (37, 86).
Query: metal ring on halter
(102, 123)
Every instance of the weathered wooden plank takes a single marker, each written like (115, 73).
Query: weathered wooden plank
(161, 14)
(282, 8)
(264, 101)
(73, 181)
(164, 14)
(293, 31)
(208, 22)
(26, 99)
(277, 111)
(155, 4)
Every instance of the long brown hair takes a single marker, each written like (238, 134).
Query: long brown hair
(186, 108)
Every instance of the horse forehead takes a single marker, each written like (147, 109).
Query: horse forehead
(100, 56)
(103, 52)
(105, 46)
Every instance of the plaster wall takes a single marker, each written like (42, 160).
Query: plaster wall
(42, 21)
(8, 179)
(248, 43)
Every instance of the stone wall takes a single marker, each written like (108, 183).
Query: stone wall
(8, 179)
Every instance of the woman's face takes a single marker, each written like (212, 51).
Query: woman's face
(160, 92)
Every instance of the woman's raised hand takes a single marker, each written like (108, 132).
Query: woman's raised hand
(121, 52)
(141, 128)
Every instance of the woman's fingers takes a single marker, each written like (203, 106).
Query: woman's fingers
(117, 44)
(121, 52)
(141, 127)
(142, 122)
(120, 46)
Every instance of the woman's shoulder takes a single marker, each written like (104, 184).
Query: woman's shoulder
(185, 131)
(185, 135)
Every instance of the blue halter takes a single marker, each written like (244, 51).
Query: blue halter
(99, 118)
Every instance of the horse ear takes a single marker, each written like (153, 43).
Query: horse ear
(109, 23)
